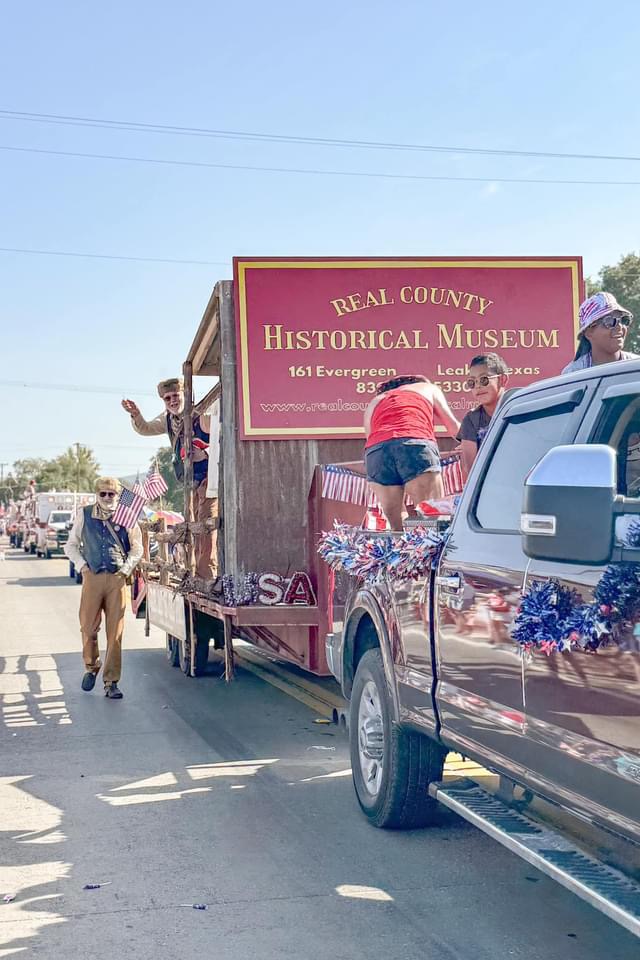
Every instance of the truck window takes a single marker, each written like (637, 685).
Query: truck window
(523, 442)
(620, 428)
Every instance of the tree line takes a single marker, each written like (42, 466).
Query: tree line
(77, 470)
(623, 281)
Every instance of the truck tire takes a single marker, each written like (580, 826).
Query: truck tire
(392, 766)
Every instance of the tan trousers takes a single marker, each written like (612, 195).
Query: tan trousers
(103, 592)
(206, 508)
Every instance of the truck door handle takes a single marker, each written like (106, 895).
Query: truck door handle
(453, 583)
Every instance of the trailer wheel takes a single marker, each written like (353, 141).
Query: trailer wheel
(172, 650)
(392, 766)
(202, 656)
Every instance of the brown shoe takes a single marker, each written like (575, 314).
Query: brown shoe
(112, 691)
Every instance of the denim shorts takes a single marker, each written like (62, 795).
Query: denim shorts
(394, 462)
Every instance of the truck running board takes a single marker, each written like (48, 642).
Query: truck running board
(604, 888)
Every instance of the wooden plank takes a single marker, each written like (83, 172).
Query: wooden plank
(273, 479)
(205, 335)
(258, 616)
(228, 492)
(188, 458)
(277, 616)
(203, 405)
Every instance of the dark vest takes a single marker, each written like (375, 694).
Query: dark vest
(99, 547)
(200, 467)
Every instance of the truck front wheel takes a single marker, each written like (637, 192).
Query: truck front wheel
(392, 766)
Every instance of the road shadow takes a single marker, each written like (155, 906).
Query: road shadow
(31, 692)
(59, 581)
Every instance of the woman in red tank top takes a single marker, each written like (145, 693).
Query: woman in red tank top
(401, 452)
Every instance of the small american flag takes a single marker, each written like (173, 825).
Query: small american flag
(154, 485)
(138, 489)
(129, 509)
(452, 476)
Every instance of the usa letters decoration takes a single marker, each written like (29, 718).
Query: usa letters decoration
(269, 589)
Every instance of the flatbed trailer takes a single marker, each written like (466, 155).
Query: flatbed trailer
(296, 359)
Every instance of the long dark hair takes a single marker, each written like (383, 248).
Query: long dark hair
(584, 346)
(400, 382)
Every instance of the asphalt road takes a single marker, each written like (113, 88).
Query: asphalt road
(191, 791)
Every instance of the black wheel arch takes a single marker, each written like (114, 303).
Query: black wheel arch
(366, 629)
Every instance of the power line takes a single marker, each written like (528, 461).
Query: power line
(175, 130)
(59, 253)
(314, 172)
(74, 388)
(108, 256)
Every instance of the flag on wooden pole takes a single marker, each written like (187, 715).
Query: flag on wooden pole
(154, 485)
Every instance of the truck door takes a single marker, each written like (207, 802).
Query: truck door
(583, 709)
(480, 682)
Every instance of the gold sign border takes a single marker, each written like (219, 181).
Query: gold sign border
(243, 345)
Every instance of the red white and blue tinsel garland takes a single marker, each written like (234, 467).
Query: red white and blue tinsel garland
(553, 618)
(409, 556)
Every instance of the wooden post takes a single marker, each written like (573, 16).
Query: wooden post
(229, 664)
(188, 461)
(163, 551)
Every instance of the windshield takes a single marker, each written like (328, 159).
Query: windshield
(60, 517)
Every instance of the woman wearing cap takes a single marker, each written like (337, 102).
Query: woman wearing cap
(401, 452)
(603, 326)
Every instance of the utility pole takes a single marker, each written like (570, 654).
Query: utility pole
(77, 467)
(2, 466)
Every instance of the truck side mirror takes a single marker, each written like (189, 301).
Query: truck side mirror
(568, 508)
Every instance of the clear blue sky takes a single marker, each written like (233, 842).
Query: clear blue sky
(552, 77)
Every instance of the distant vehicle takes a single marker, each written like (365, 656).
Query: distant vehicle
(54, 514)
(57, 531)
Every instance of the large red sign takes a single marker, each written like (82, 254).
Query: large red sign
(316, 336)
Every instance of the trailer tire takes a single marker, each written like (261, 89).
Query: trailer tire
(184, 656)
(392, 766)
(202, 657)
(173, 655)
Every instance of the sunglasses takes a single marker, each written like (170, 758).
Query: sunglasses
(109, 493)
(611, 321)
(483, 381)
(169, 397)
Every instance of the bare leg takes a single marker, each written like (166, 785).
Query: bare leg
(428, 486)
(391, 500)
